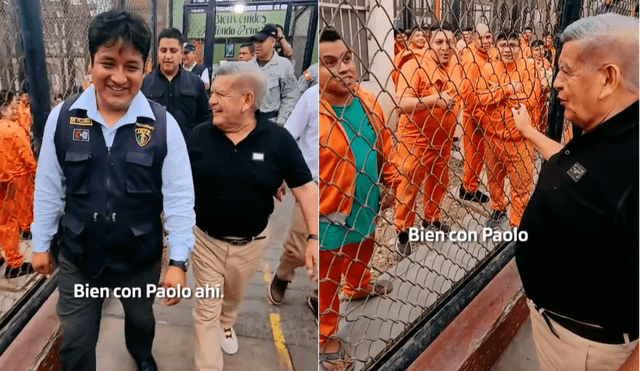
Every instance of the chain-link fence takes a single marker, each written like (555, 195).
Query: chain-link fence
(434, 128)
(65, 25)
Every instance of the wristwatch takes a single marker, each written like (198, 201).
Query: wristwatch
(179, 264)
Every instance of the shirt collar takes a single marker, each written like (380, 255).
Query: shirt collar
(619, 124)
(139, 107)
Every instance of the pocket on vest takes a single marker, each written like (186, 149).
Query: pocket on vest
(139, 173)
(146, 243)
(78, 166)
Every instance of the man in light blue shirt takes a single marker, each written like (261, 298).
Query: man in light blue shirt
(114, 162)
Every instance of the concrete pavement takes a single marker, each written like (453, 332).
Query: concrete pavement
(258, 318)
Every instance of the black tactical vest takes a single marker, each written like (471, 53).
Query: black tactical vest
(113, 195)
(198, 69)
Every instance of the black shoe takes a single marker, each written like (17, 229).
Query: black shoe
(436, 226)
(23, 270)
(476, 196)
(312, 302)
(403, 245)
(277, 288)
(148, 365)
(496, 219)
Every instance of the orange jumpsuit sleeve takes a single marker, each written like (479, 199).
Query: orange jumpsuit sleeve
(486, 95)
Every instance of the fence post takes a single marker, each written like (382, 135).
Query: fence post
(209, 35)
(569, 13)
(33, 45)
(311, 39)
(154, 30)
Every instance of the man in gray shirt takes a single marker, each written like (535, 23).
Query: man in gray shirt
(282, 92)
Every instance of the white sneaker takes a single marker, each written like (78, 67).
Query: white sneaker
(229, 341)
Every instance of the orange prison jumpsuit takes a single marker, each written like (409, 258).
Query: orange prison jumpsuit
(474, 142)
(526, 48)
(26, 184)
(337, 175)
(508, 154)
(17, 167)
(425, 139)
(540, 112)
(400, 59)
(398, 47)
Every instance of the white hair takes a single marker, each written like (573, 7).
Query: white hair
(248, 76)
(614, 34)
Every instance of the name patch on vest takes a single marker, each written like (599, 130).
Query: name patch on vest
(258, 156)
(576, 172)
(80, 121)
(81, 135)
(143, 134)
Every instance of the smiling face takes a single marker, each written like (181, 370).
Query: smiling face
(169, 56)
(337, 72)
(508, 49)
(188, 59)
(116, 72)
(418, 40)
(227, 102)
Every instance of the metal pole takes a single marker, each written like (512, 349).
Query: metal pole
(311, 39)
(209, 35)
(122, 3)
(32, 37)
(154, 30)
(570, 13)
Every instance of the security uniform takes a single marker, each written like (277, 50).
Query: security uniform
(282, 91)
(201, 71)
(184, 97)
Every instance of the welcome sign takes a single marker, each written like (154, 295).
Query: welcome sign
(232, 25)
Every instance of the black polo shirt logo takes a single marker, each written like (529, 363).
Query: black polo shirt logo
(258, 156)
(576, 172)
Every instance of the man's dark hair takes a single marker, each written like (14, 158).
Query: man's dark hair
(397, 31)
(444, 26)
(251, 47)
(507, 35)
(536, 43)
(6, 96)
(171, 33)
(528, 29)
(467, 29)
(109, 27)
(329, 34)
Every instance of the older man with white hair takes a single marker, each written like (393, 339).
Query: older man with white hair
(238, 164)
(579, 266)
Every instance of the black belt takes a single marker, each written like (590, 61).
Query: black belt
(270, 115)
(240, 241)
(589, 332)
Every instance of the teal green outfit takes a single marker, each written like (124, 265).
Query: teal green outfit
(360, 222)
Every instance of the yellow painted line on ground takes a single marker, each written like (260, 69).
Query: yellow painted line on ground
(265, 272)
(284, 359)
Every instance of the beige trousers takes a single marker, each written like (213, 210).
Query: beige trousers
(571, 352)
(216, 262)
(294, 246)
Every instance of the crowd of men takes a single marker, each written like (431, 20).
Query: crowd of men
(442, 81)
(495, 84)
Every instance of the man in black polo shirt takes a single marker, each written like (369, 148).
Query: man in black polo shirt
(238, 164)
(579, 266)
(183, 94)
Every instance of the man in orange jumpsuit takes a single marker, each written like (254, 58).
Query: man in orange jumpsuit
(354, 147)
(25, 216)
(417, 48)
(473, 141)
(507, 83)
(545, 74)
(401, 41)
(17, 168)
(430, 101)
(549, 49)
(525, 42)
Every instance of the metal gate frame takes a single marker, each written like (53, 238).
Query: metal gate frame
(210, 11)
